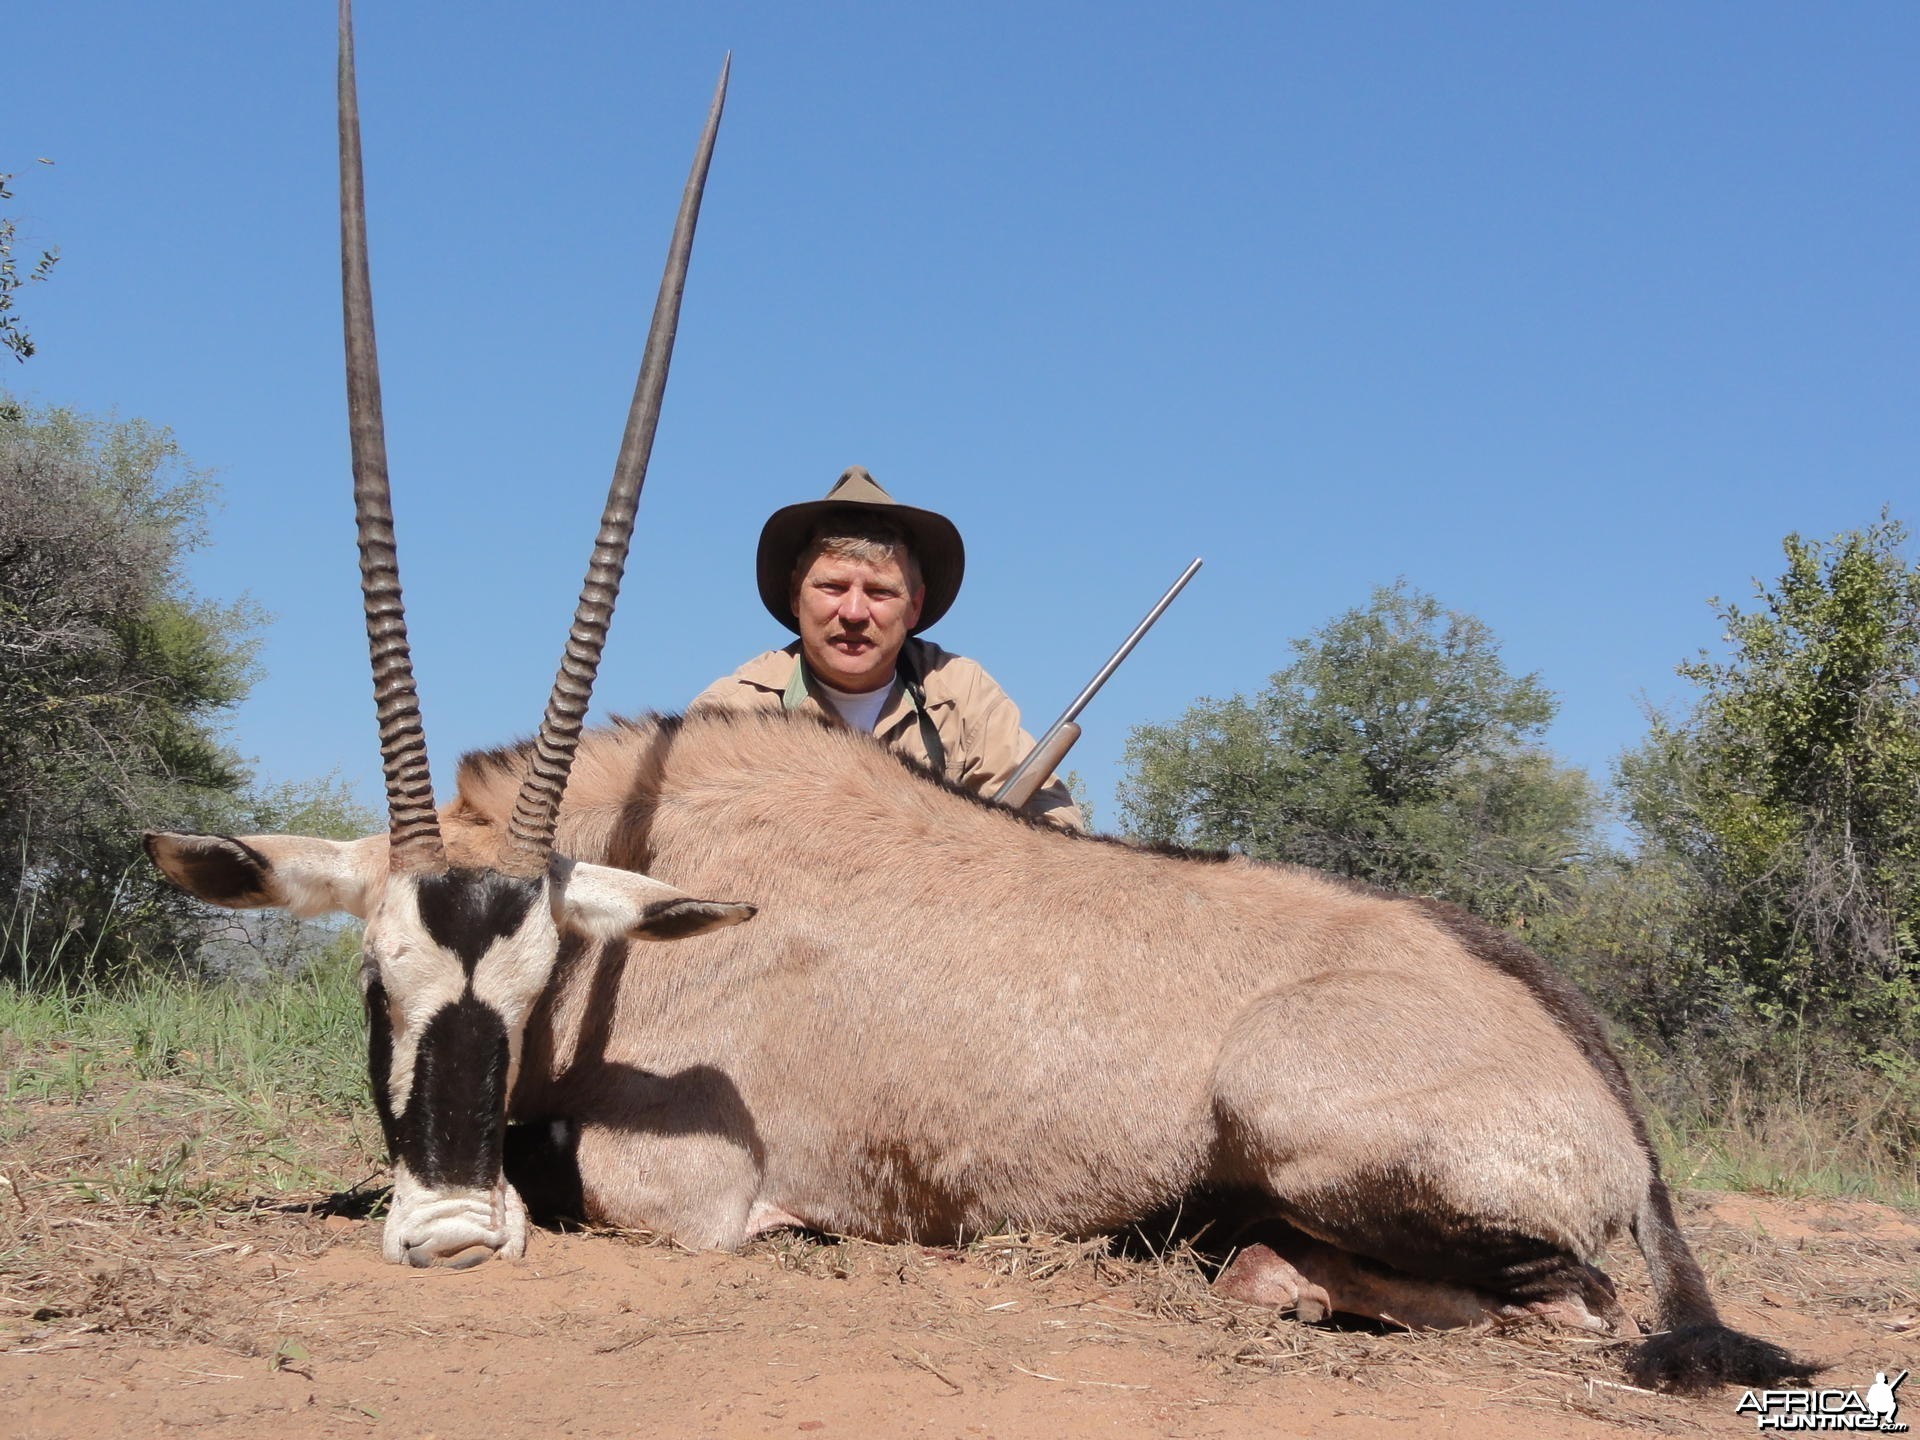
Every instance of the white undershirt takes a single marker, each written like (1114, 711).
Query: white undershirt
(861, 712)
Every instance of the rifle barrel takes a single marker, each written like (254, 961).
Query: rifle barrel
(1072, 712)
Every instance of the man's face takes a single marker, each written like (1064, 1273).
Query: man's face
(854, 616)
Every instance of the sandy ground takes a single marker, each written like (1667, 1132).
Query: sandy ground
(289, 1324)
(203, 1314)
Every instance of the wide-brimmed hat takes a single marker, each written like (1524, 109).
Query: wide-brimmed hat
(936, 545)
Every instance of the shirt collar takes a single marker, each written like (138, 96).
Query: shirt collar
(900, 708)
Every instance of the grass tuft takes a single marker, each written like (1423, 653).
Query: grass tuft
(185, 1091)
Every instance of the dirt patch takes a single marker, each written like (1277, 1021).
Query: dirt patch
(1785, 1220)
(194, 1308)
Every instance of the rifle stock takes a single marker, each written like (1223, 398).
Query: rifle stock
(1046, 759)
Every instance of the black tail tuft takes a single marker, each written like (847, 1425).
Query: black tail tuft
(1699, 1357)
(1693, 1351)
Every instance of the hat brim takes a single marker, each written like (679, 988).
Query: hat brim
(935, 539)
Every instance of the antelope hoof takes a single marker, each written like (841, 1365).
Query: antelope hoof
(1258, 1276)
(1596, 1308)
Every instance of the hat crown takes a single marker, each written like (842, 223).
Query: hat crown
(856, 487)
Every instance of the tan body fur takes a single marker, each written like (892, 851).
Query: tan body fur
(945, 1019)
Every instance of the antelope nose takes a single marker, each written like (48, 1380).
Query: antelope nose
(425, 1257)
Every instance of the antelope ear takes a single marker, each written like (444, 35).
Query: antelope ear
(603, 903)
(289, 872)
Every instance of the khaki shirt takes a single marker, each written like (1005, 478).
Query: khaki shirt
(978, 726)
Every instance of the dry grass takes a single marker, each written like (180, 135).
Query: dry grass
(111, 1209)
(1805, 1119)
(1160, 1294)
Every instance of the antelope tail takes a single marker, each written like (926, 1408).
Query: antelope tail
(1693, 1351)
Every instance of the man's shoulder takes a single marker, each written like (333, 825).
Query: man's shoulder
(948, 676)
(764, 676)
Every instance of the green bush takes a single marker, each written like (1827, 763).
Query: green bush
(1395, 749)
(116, 680)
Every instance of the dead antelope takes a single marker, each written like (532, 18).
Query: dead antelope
(946, 1018)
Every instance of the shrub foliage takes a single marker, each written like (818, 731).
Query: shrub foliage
(113, 685)
(1396, 749)
(1787, 802)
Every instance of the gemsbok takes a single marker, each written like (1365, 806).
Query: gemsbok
(945, 1018)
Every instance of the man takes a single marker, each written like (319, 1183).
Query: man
(858, 576)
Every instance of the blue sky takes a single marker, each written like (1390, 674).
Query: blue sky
(1563, 313)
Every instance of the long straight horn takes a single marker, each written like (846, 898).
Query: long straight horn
(403, 743)
(530, 830)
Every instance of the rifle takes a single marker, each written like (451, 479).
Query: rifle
(1046, 756)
